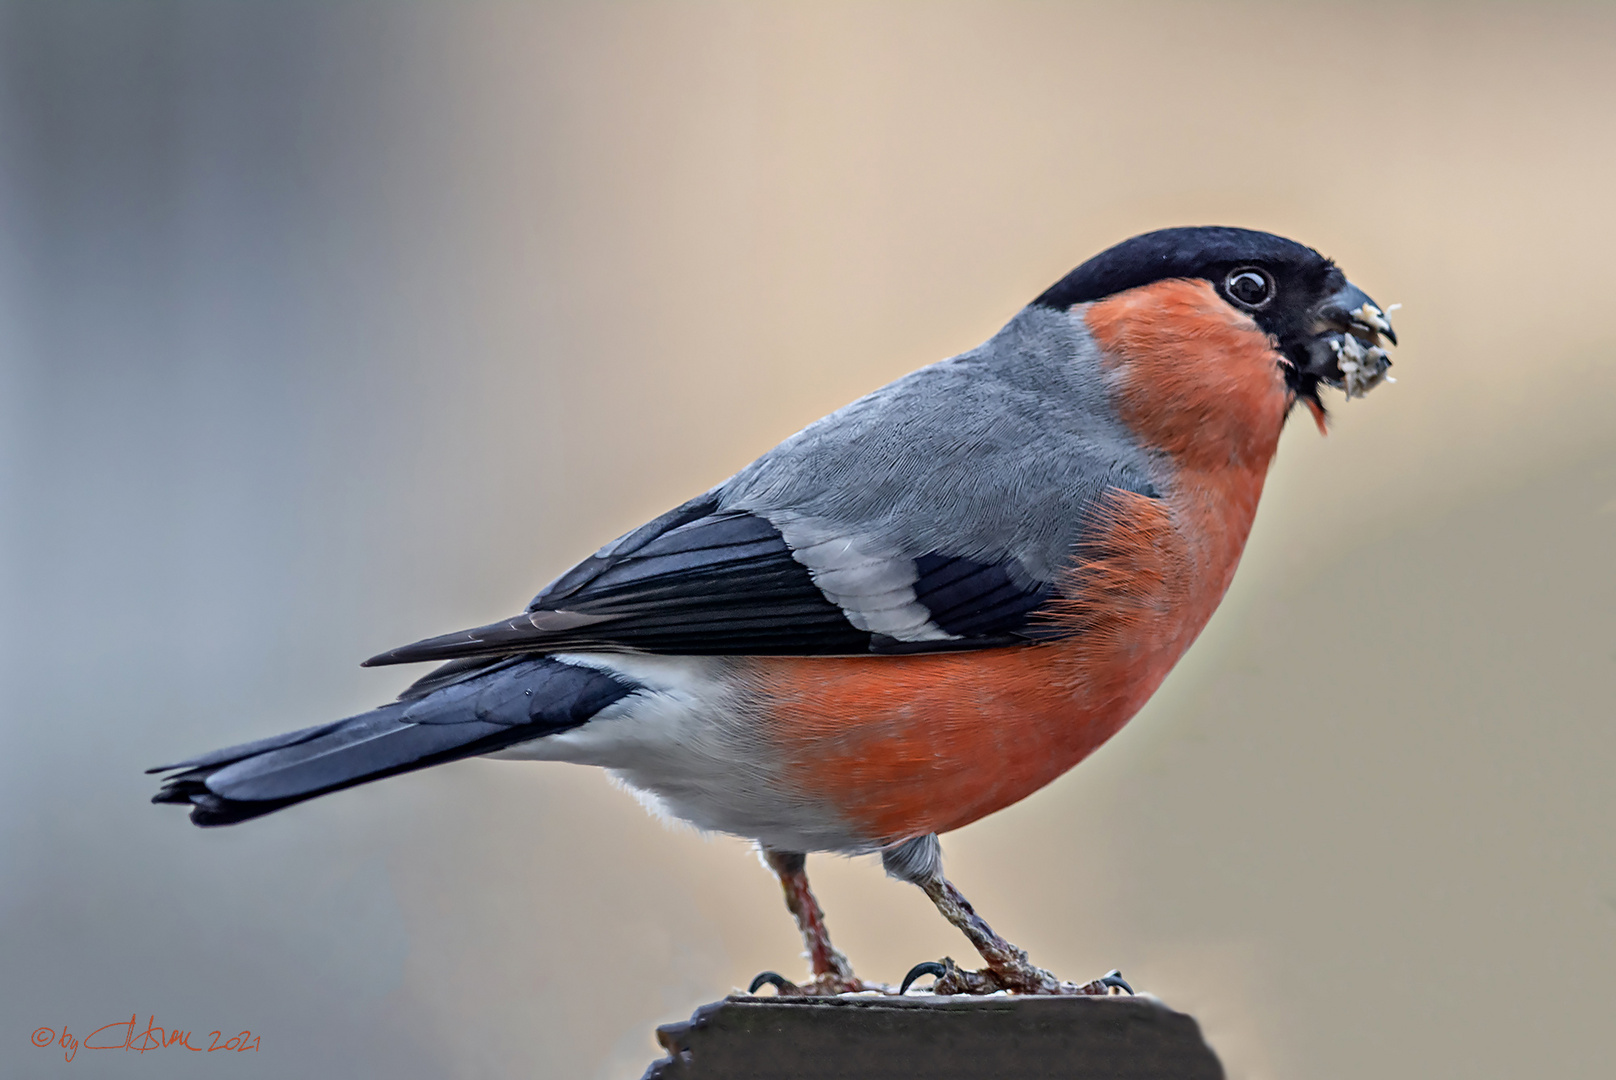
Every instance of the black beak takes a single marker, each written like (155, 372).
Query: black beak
(1350, 310)
(1346, 350)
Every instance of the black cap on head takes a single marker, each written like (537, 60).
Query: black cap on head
(1205, 251)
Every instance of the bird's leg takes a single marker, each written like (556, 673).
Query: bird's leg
(832, 974)
(920, 862)
(1008, 967)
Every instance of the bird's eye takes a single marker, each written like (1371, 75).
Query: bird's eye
(1249, 286)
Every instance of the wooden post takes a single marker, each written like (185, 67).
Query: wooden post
(998, 1037)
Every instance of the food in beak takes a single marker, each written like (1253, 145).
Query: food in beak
(1347, 350)
(1363, 367)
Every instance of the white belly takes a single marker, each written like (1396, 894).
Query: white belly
(691, 745)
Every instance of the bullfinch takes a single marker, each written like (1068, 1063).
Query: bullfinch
(912, 613)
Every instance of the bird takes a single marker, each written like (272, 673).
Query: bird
(914, 612)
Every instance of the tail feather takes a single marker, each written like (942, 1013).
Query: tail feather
(447, 716)
(259, 746)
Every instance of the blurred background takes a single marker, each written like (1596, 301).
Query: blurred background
(325, 327)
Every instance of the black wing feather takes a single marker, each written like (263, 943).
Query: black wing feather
(705, 581)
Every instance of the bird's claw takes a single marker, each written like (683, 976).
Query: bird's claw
(1023, 978)
(1112, 978)
(780, 983)
(827, 984)
(929, 967)
(950, 978)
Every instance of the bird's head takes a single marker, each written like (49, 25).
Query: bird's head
(1325, 329)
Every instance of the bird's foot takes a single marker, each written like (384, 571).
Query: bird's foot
(1014, 974)
(825, 984)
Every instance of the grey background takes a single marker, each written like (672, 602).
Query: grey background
(327, 327)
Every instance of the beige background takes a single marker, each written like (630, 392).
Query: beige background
(325, 328)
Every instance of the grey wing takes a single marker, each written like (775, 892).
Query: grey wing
(934, 514)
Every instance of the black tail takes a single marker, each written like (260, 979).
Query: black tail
(461, 710)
